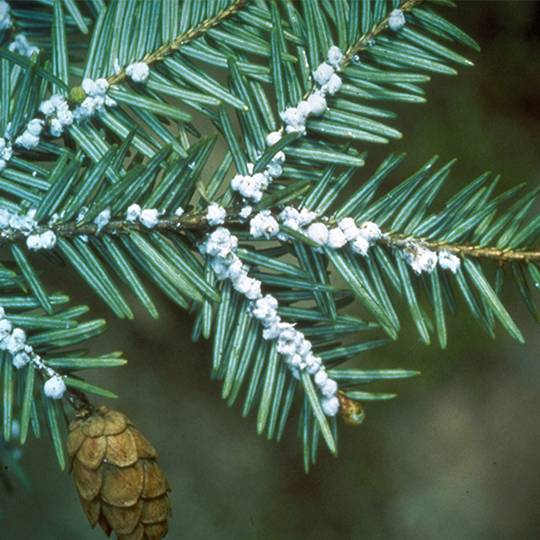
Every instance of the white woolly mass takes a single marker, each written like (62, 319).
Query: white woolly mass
(96, 100)
(330, 406)
(5, 16)
(220, 243)
(138, 72)
(294, 120)
(448, 261)
(18, 222)
(33, 242)
(317, 103)
(321, 378)
(5, 328)
(273, 137)
(179, 212)
(323, 73)
(55, 387)
(27, 225)
(279, 157)
(13, 341)
(220, 246)
(5, 217)
(86, 109)
(97, 88)
(265, 310)
(20, 360)
(6, 151)
(336, 238)
(333, 85)
(103, 219)
(318, 232)
(347, 232)
(370, 231)
(215, 214)
(349, 228)
(248, 286)
(47, 239)
(304, 109)
(296, 219)
(334, 56)
(360, 246)
(46, 107)
(133, 213)
(29, 138)
(149, 217)
(89, 87)
(102, 85)
(329, 389)
(246, 211)
(274, 168)
(21, 46)
(251, 187)
(421, 259)
(396, 20)
(263, 225)
(35, 127)
(60, 116)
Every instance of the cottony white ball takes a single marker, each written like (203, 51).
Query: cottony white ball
(318, 232)
(317, 104)
(330, 406)
(336, 238)
(323, 73)
(55, 387)
(396, 21)
(360, 246)
(334, 55)
(273, 137)
(149, 217)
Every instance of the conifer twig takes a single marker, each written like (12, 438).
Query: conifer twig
(174, 45)
(196, 221)
(365, 39)
(467, 250)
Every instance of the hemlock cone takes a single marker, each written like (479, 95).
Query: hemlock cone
(119, 481)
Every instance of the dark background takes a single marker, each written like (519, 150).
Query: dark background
(454, 456)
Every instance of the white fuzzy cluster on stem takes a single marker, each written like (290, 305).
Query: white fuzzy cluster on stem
(359, 237)
(252, 186)
(138, 72)
(25, 224)
(13, 341)
(20, 45)
(220, 247)
(95, 101)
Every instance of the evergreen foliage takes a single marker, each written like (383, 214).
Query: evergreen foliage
(237, 65)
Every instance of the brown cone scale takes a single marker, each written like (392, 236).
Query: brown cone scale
(119, 482)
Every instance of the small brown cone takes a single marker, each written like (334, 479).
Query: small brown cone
(119, 482)
(350, 410)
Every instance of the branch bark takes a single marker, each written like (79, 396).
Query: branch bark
(196, 222)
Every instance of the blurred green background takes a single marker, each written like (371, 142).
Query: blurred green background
(454, 456)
